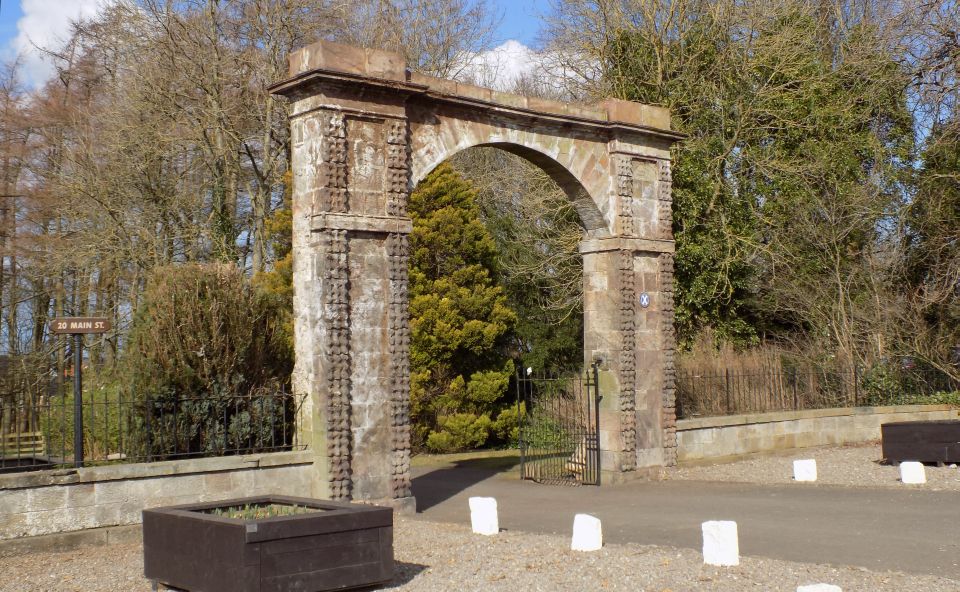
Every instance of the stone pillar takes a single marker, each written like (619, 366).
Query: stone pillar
(351, 183)
(628, 321)
(668, 343)
(602, 340)
(627, 337)
(649, 360)
(655, 340)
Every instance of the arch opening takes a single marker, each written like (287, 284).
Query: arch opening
(590, 215)
(585, 200)
(485, 194)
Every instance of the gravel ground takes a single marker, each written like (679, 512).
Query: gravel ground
(853, 466)
(447, 557)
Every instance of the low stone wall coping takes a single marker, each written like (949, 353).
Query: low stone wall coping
(153, 469)
(74, 539)
(700, 423)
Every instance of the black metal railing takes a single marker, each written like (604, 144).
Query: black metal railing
(559, 428)
(37, 431)
(732, 392)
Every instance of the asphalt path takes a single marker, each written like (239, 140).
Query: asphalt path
(908, 530)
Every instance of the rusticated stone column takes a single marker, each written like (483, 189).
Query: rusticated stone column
(668, 347)
(668, 343)
(628, 321)
(398, 259)
(359, 234)
(351, 184)
(335, 316)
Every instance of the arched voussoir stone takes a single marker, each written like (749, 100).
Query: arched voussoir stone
(364, 131)
(587, 206)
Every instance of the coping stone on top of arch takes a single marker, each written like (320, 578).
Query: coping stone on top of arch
(390, 69)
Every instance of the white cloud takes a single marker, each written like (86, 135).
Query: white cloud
(46, 23)
(502, 66)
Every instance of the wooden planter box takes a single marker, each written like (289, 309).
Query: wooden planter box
(922, 441)
(342, 545)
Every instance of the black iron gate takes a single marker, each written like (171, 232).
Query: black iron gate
(559, 432)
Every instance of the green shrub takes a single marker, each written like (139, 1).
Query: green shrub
(506, 428)
(460, 431)
(881, 386)
(886, 384)
(941, 398)
(203, 329)
(203, 341)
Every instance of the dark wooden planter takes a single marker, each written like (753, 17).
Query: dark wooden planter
(343, 546)
(922, 441)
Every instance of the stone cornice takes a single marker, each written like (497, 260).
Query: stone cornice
(603, 118)
(622, 243)
(326, 62)
(361, 223)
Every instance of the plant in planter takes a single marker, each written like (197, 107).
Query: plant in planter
(257, 511)
(270, 543)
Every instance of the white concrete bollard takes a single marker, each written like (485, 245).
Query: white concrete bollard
(483, 515)
(912, 473)
(721, 545)
(587, 533)
(805, 470)
(819, 588)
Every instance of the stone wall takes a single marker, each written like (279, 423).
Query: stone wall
(714, 438)
(66, 500)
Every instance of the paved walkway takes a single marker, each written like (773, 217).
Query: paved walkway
(907, 530)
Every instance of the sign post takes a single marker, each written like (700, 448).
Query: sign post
(77, 400)
(78, 327)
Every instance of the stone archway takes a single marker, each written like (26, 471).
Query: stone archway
(364, 131)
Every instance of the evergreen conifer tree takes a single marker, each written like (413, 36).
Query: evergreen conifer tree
(460, 319)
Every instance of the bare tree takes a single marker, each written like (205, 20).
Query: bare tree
(437, 37)
(156, 143)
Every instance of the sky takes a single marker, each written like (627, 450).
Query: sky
(25, 23)
(521, 19)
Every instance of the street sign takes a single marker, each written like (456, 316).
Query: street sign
(79, 325)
